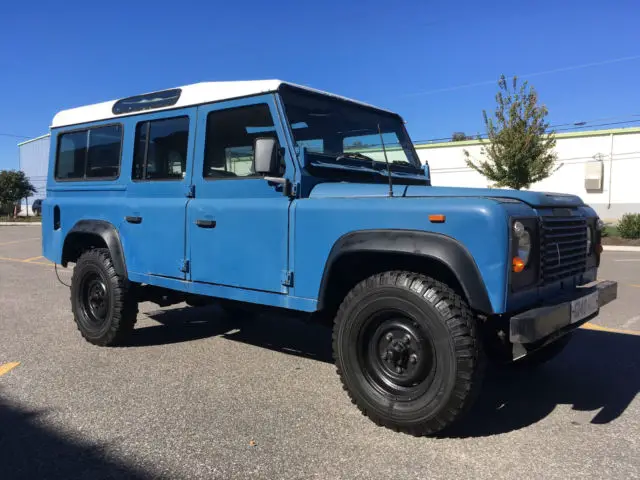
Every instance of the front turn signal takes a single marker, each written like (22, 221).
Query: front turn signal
(518, 264)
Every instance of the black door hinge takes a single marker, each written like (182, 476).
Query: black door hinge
(185, 266)
(287, 278)
(190, 191)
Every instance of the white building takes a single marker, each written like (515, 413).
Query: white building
(600, 166)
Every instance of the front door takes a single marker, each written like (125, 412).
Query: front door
(154, 226)
(238, 223)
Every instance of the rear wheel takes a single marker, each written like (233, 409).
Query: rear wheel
(103, 307)
(407, 351)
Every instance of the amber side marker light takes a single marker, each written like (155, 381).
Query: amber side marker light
(437, 218)
(518, 264)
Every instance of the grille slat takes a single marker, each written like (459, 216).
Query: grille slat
(563, 247)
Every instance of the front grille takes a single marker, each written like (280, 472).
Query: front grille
(563, 247)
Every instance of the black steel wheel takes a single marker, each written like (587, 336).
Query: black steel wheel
(103, 307)
(408, 353)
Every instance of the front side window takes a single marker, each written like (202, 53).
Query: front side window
(160, 149)
(92, 153)
(333, 128)
(230, 136)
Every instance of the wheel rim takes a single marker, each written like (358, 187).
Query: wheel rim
(94, 300)
(396, 355)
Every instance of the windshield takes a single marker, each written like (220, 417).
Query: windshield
(340, 129)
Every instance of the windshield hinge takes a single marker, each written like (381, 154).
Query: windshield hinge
(287, 278)
(185, 266)
(190, 191)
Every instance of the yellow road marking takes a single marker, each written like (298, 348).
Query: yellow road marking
(7, 367)
(600, 328)
(32, 258)
(19, 241)
(17, 260)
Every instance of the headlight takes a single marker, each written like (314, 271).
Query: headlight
(589, 240)
(524, 241)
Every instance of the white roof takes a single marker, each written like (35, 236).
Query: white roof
(196, 94)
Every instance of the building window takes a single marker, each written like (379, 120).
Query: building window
(160, 151)
(89, 154)
(229, 143)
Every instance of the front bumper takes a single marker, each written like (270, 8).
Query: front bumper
(539, 326)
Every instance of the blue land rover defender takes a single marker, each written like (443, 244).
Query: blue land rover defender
(266, 194)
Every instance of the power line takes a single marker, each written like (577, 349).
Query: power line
(14, 135)
(525, 75)
(585, 124)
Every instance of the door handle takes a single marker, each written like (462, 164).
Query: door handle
(133, 219)
(206, 223)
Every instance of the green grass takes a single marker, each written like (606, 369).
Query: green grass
(611, 231)
(28, 219)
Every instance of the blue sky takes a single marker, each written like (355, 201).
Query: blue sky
(403, 55)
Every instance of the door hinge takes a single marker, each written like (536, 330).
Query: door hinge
(190, 191)
(287, 278)
(185, 266)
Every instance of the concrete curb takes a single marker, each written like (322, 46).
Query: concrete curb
(620, 248)
(19, 224)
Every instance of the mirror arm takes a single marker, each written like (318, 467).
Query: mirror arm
(286, 189)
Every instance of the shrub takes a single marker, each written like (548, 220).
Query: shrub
(629, 225)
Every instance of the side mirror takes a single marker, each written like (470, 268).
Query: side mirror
(265, 154)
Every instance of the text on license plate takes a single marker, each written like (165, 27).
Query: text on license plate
(584, 306)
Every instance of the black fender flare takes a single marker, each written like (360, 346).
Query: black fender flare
(108, 233)
(414, 242)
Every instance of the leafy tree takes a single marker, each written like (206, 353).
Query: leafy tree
(460, 137)
(14, 186)
(519, 147)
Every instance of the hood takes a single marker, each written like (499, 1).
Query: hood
(534, 199)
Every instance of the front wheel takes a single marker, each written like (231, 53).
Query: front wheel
(408, 352)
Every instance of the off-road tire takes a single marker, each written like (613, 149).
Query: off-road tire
(540, 357)
(433, 310)
(121, 308)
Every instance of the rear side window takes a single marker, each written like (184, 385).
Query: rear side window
(89, 154)
(161, 148)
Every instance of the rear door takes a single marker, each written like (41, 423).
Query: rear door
(238, 223)
(154, 226)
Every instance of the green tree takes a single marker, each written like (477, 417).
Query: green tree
(460, 137)
(519, 148)
(14, 186)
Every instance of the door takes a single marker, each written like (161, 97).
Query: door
(238, 222)
(154, 225)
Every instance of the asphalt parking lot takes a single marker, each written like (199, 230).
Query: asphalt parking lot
(198, 395)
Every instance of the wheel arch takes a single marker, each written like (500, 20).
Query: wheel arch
(87, 234)
(432, 251)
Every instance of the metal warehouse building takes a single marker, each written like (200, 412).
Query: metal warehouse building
(600, 166)
(34, 161)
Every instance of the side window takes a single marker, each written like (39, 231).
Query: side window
(103, 155)
(229, 140)
(92, 153)
(160, 151)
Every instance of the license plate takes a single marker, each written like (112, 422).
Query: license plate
(583, 307)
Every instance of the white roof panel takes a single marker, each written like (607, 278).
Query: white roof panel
(196, 94)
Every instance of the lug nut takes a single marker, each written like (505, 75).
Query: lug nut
(407, 338)
(413, 358)
(389, 337)
(398, 369)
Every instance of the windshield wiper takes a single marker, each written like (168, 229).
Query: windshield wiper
(354, 155)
